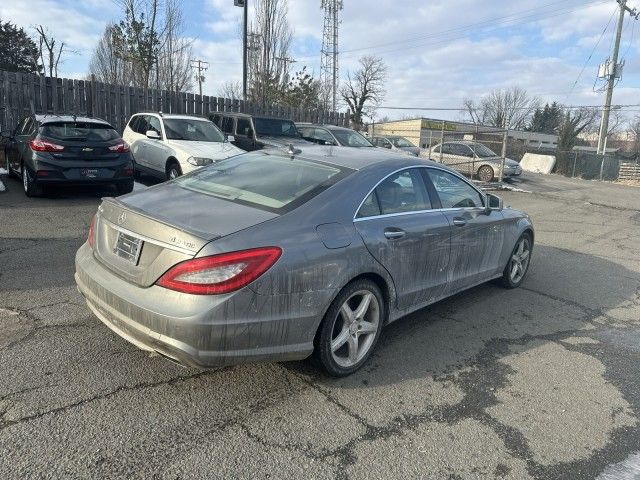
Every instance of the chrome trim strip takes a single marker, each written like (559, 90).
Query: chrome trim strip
(456, 174)
(150, 240)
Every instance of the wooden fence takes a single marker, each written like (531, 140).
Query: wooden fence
(22, 94)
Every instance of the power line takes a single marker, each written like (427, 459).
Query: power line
(201, 66)
(592, 52)
(458, 109)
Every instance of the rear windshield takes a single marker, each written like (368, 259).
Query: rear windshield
(271, 127)
(269, 182)
(79, 132)
(192, 130)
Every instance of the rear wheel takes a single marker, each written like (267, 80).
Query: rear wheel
(31, 188)
(485, 173)
(173, 170)
(518, 263)
(124, 187)
(350, 329)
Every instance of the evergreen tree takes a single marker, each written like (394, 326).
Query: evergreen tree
(18, 52)
(547, 119)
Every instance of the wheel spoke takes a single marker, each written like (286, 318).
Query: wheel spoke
(363, 307)
(520, 247)
(340, 340)
(514, 270)
(367, 327)
(524, 255)
(347, 313)
(353, 348)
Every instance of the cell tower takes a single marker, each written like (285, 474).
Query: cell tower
(329, 62)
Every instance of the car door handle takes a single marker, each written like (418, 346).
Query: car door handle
(459, 222)
(393, 233)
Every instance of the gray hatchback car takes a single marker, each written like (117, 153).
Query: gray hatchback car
(281, 255)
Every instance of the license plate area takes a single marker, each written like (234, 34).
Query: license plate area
(128, 247)
(89, 172)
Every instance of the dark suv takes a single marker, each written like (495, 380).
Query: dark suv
(52, 149)
(254, 132)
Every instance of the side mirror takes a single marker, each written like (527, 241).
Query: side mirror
(231, 138)
(494, 202)
(153, 135)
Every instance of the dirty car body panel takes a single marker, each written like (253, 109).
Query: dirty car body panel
(325, 244)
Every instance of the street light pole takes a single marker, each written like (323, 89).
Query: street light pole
(245, 5)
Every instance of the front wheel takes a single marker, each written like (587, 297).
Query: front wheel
(31, 188)
(485, 173)
(173, 171)
(518, 263)
(350, 329)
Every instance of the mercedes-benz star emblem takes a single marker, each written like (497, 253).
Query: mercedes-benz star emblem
(122, 218)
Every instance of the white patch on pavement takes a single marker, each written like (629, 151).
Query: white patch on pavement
(138, 186)
(628, 469)
(2, 187)
(3, 171)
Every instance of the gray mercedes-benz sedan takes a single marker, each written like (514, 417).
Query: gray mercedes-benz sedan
(276, 255)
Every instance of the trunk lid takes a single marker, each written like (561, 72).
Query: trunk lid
(142, 235)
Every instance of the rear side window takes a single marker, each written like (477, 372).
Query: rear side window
(269, 182)
(403, 192)
(79, 132)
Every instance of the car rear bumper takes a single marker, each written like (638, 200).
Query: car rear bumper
(197, 330)
(51, 170)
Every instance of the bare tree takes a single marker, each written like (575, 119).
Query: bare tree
(50, 50)
(105, 65)
(511, 106)
(231, 89)
(364, 89)
(131, 53)
(271, 39)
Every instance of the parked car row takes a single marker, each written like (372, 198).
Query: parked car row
(49, 149)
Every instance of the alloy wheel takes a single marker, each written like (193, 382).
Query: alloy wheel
(485, 173)
(355, 328)
(520, 260)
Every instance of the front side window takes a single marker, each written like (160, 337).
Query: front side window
(79, 132)
(453, 191)
(243, 127)
(269, 182)
(272, 127)
(192, 130)
(323, 137)
(436, 149)
(402, 142)
(227, 125)
(349, 138)
(403, 192)
(154, 124)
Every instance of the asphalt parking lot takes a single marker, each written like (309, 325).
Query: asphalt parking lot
(540, 382)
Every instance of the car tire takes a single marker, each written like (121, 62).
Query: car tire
(7, 167)
(486, 173)
(124, 187)
(518, 264)
(347, 336)
(173, 170)
(29, 184)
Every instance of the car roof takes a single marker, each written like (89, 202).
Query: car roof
(246, 115)
(353, 158)
(50, 118)
(173, 115)
(327, 127)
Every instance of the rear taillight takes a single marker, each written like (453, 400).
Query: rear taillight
(91, 238)
(122, 147)
(38, 145)
(222, 273)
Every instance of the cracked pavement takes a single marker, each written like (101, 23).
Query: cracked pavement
(539, 382)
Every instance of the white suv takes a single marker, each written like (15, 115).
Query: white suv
(168, 146)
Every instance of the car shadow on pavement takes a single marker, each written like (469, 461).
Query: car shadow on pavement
(564, 292)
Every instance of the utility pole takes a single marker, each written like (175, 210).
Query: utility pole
(285, 69)
(329, 52)
(245, 5)
(612, 71)
(201, 67)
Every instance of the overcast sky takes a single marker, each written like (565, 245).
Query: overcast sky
(437, 51)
